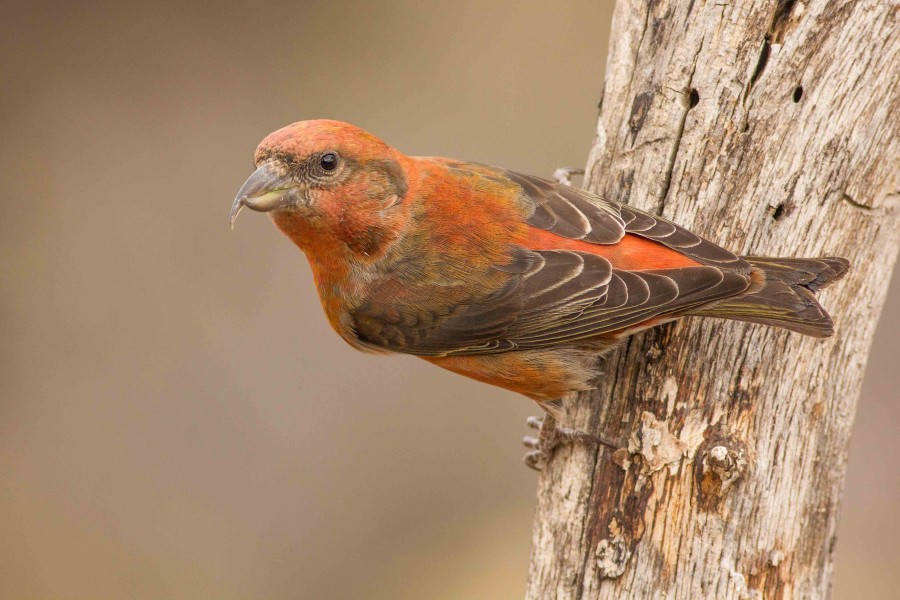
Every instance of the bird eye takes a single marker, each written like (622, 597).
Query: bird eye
(329, 161)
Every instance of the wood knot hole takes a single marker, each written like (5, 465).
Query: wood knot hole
(783, 210)
(725, 464)
(693, 98)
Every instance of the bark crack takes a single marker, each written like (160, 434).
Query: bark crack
(889, 206)
(586, 517)
(673, 155)
(637, 52)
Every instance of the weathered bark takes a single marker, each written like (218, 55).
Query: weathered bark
(773, 128)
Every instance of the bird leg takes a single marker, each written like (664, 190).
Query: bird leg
(550, 436)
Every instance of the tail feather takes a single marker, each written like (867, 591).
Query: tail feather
(784, 296)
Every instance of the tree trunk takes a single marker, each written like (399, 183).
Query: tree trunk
(773, 128)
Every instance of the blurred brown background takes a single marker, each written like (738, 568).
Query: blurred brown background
(176, 418)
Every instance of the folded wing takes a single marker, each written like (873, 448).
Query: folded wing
(556, 297)
(553, 298)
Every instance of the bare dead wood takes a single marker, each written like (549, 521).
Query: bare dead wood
(772, 127)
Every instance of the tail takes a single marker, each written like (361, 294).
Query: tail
(783, 294)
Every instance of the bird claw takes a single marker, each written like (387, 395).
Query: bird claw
(550, 436)
(534, 422)
(536, 459)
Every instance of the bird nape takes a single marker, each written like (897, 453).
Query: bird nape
(506, 278)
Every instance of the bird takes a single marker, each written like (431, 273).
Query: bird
(506, 278)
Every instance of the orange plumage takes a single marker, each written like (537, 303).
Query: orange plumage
(509, 279)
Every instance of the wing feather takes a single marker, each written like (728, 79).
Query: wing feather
(552, 207)
(553, 297)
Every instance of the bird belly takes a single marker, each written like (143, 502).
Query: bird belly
(543, 375)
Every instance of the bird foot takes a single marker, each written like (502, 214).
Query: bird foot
(550, 436)
(563, 175)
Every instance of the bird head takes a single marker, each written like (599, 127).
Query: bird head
(327, 179)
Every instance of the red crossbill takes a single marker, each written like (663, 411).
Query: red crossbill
(506, 278)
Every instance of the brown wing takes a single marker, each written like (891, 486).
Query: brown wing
(576, 214)
(552, 298)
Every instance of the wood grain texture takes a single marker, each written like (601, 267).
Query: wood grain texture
(773, 128)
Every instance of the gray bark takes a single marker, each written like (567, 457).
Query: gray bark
(773, 128)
